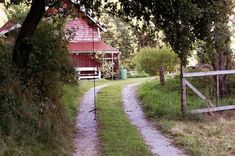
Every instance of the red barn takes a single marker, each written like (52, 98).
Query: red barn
(86, 44)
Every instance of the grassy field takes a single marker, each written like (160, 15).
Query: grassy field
(117, 135)
(202, 135)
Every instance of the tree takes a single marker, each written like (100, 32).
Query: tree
(147, 36)
(128, 38)
(183, 22)
(120, 35)
(217, 40)
(22, 47)
(186, 21)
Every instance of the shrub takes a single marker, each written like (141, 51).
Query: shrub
(33, 119)
(150, 60)
(137, 74)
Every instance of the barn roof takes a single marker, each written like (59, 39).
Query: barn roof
(82, 47)
(7, 27)
(82, 31)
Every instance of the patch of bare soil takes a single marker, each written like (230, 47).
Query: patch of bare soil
(86, 141)
(159, 144)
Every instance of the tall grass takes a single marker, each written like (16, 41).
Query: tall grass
(200, 135)
(164, 101)
(33, 120)
(70, 100)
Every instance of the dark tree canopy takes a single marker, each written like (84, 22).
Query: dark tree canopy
(183, 21)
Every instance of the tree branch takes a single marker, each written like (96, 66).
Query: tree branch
(22, 48)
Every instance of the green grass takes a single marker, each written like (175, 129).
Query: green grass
(117, 135)
(199, 135)
(69, 100)
(33, 142)
(164, 101)
(28, 144)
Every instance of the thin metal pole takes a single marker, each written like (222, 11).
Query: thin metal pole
(112, 66)
(95, 108)
(93, 37)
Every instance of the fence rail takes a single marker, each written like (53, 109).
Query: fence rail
(209, 73)
(211, 106)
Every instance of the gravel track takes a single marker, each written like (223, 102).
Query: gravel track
(159, 144)
(86, 141)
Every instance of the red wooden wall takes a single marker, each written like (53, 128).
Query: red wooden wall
(86, 60)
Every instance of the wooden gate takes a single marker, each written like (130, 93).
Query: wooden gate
(211, 106)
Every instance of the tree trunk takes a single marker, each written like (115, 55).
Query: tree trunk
(161, 75)
(224, 63)
(22, 47)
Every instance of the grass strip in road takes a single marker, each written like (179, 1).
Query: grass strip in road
(118, 136)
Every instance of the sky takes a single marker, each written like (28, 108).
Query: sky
(3, 16)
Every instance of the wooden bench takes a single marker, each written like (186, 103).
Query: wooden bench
(95, 73)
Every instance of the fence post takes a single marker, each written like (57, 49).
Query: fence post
(217, 90)
(161, 75)
(183, 91)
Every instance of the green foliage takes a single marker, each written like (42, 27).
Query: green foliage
(164, 101)
(183, 22)
(120, 35)
(70, 100)
(50, 55)
(137, 74)
(33, 120)
(150, 59)
(162, 106)
(17, 13)
(215, 47)
(126, 38)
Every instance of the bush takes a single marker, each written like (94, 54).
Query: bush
(150, 59)
(33, 119)
(137, 74)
